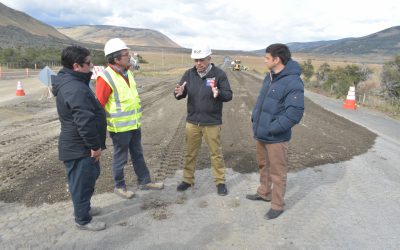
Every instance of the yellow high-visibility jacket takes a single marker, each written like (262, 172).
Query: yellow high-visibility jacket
(123, 107)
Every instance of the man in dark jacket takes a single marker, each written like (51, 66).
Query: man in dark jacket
(83, 132)
(206, 87)
(280, 106)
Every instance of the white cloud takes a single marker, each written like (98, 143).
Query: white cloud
(225, 24)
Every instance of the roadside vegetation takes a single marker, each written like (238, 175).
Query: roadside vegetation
(37, 58)
(377, 85)
(383, 95)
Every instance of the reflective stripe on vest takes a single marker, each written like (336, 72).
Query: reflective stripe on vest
(116, 97)
(123, 108)
(123, 124)
(121, 114)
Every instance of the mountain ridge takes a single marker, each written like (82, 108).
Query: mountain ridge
(384, 42)
(14, 18)
(131, 36)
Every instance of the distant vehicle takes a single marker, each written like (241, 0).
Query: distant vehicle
(134, 63)
(227, 59)
(236, 65)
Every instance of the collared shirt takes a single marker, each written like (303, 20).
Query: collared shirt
(203, 74)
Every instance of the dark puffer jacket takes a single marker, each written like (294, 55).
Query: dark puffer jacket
(279, 106)
(83, 120)
(202, 107)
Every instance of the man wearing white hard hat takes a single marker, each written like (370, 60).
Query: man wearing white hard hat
(117, 93)
(206, 88)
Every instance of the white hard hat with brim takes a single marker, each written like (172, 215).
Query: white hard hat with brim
(114, 45)
(200, 51)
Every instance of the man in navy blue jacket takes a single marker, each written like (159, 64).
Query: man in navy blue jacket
(280, 106)
(83, 132)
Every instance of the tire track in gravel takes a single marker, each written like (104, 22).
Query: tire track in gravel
(154, 92)
(237, 138)
(169, 152)
(17, 163)
(14, 136)
(172, 154)
(31, 173)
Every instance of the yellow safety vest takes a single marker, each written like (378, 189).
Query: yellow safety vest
(123, 107)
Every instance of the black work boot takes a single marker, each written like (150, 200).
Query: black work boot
(257, 197)
(222, 189)
(272, 214)
(183, 186)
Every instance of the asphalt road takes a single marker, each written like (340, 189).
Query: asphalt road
(386, 127)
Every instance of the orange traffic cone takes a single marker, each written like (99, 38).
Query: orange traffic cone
(20, 90)
(350, 102)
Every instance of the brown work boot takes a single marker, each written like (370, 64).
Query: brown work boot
(124, 193)
(152, 186)
(93, 225)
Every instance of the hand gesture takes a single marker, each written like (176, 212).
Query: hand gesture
(215, 91)
(179, 89)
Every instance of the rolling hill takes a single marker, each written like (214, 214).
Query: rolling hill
(385, 42)
(19, 29)
(132, 36)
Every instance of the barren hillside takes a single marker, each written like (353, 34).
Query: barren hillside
(14, 20)
(132, 36)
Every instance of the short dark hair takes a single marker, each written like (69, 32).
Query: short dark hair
(279, 50)
(115, 55)
(74, 54)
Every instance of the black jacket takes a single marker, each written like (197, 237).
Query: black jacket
(202, 107)
(83, 120)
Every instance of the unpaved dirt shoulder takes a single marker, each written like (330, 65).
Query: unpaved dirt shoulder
(321, 137)
(31, 173)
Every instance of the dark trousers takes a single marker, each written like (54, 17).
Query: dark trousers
(82, 175)
(124, 142)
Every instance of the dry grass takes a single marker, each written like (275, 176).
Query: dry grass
(163, 59)
(167, 63)
(389, 107)
(335, 62)
(161, 63)
(254, 63)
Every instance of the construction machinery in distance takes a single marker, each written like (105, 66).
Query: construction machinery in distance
(236, 65)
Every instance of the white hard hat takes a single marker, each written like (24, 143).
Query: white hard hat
(114, 45)
(200, 51)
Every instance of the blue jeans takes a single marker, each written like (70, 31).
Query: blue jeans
(82, 175)
(123, 142)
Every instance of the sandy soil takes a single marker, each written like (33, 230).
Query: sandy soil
(30, 172)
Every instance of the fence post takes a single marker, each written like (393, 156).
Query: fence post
(27, 72)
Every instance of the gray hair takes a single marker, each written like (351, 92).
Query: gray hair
(115, 55)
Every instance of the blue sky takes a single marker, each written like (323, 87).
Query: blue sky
(225, 24)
